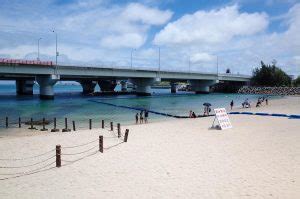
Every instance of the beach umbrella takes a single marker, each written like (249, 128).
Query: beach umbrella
(206, 104)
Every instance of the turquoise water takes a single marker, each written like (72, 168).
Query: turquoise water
(71, 104)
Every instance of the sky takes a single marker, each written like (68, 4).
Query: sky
(177, 35)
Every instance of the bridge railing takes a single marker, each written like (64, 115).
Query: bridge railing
(114, 67)
(124, 67)
(25, 62)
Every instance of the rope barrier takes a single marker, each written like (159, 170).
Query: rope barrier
(25, 172)
(106, 148)
(86, 153)
(17, 176)
(29, 165)
(72, 161)
(76, 146)
(80, 152)
(26, 158)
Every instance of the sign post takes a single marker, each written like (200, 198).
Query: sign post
(222, 118)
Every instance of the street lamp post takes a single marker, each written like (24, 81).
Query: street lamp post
(217, 69)
(189, 63)
(217, 65)
(131, 58)
(159, 59)
(38, 58)
(56, 52)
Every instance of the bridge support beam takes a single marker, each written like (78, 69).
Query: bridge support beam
(24, 87)
(107, 85)
(143, 85)
(46, 83)
(173, 87)
(201, 86)
(88, 86)
(123, 86)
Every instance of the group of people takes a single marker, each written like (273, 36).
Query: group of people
(246, 103)
(142, 117)
(260, 100)
(206, 112)
(192, 114)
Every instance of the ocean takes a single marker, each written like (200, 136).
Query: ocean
(69, 103)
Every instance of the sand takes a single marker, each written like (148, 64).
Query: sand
(258, 158)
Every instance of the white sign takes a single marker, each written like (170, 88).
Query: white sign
(222, 118)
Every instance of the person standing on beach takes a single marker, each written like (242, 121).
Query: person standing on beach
(137, 118)
(266, 101)
(141, 117)
(191, 112)
(194, 115)
(146, 116)
(231, 104)
(205, 111)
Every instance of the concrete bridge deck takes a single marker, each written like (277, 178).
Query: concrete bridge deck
(48, 75)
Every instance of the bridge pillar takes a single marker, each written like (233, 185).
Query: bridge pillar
(88, 86)
(107, 85)
(24, 87)
(201, 86)
(46, 83)
(173, 87)
(143, 85)
(123, 86)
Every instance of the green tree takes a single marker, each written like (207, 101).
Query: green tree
(270, 75)
(297, 81)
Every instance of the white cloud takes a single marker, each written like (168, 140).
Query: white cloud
(97, 22)
(215, 26)
(139, 13)
(128, 40)
(201, 57)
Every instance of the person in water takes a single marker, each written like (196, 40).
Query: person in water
(146, 116)
(137, 118)
(231, 104)
(141, 117)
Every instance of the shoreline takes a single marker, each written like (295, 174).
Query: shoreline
(275, 105)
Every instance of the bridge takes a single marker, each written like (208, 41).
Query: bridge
(25, 73)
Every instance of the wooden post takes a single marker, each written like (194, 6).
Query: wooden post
(19, 122)
(90, 121)
(31, 124)
(126, 135)
(54, 127)
(74, 127)
(54, 123)
(66, 126)
(103, 124)
(44, 129)
(66, 123)
(101, 143)
(6, 122)
(119, 130)
(58, 156)
(111, 126)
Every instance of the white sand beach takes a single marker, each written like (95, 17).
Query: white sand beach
(258, 158)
